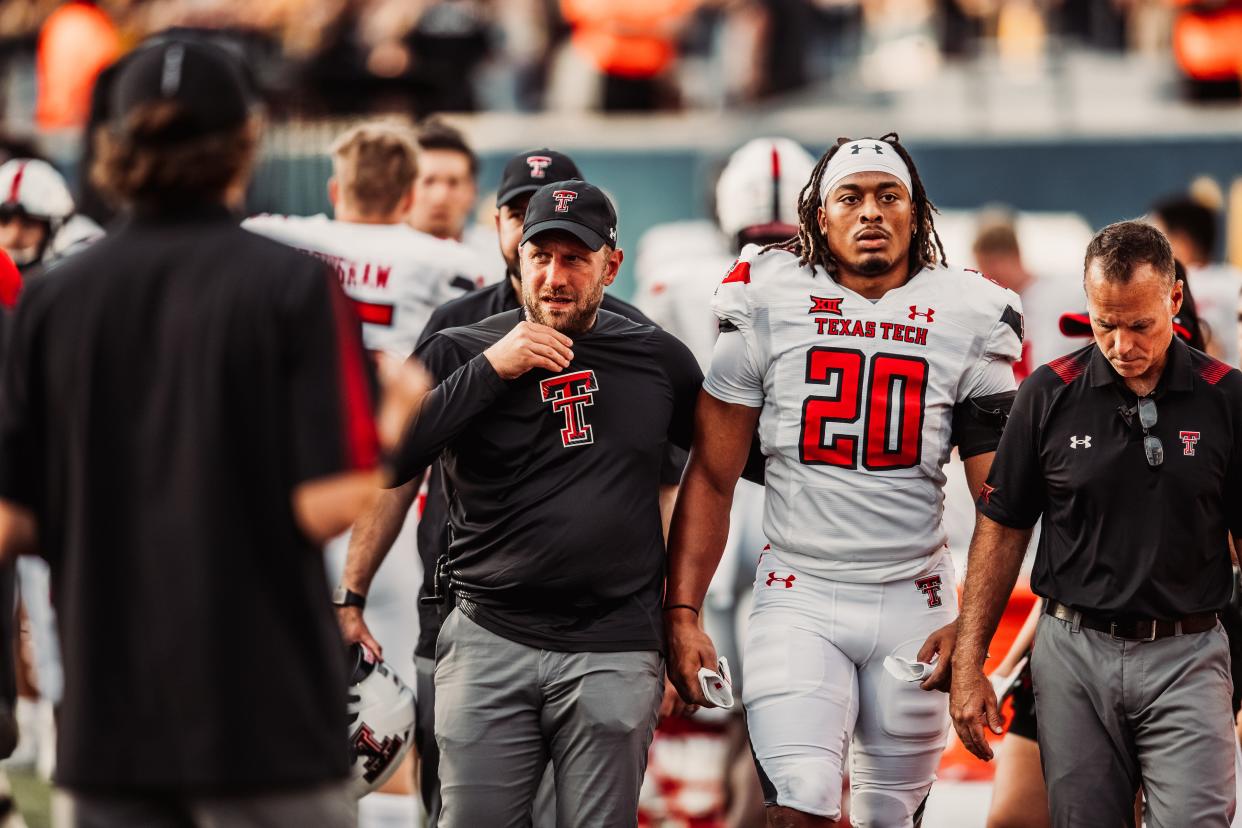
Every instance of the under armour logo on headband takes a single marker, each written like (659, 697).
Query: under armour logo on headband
(857, 148)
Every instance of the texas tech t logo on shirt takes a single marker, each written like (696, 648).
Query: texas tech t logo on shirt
(571, 394)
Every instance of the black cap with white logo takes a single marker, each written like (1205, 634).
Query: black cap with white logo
(528, 171)
(205, 80)
(575, 207)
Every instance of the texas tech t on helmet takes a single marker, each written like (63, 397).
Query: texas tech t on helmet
(381, 720)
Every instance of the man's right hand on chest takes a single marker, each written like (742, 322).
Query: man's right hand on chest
(530, 345)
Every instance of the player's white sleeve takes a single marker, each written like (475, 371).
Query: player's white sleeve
(993, 373)
(733, 376)
(990, 376)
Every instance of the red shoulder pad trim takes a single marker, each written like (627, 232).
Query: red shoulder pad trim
(740, 272)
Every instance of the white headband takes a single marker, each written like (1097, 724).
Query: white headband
(865, 155)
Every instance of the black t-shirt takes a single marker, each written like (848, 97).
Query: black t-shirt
(554, 479)
(165, 392)
(1118, 537)
(433, 524)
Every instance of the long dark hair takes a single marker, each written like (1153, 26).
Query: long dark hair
(811, 246)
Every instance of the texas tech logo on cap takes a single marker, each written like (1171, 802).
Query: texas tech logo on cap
(563, 197)
(572, 393)
(537, 164)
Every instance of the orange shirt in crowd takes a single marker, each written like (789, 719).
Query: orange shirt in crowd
(76, 42)
(627, 38)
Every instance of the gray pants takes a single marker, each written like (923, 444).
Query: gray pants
(543, 811)
(1116, 714)
(504, 709)
(329, 806)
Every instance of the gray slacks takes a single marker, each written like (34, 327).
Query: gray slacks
(504, 709)
(1115, 714)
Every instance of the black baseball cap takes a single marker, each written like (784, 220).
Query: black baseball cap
(528, 171)
(575, 207)
(207, 81)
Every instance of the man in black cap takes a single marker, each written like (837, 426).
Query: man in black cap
(552, 421)
(185, 417)
(376, 531)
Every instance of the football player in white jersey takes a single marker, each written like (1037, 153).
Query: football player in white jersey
(396, 276)
(863, 359)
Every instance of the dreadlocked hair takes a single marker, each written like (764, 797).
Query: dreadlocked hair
(811, 246)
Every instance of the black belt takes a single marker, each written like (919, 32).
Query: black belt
(1146, 629)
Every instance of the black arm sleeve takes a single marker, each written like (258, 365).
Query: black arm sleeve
(979, 422)
(468, 391)
(1014, 493)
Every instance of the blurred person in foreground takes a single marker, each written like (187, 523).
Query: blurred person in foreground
(1192, 230)
(182, 479)
(39, 224)
(445, 191)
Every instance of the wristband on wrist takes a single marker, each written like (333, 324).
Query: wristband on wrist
(344, 597)
(682, 606)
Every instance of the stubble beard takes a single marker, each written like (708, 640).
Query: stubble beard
(573, 322)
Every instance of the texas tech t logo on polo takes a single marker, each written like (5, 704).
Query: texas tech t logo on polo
(537, 164)
(563, 197)
(571, 394)
(379, 755)
(1189, 438)
(930, 586)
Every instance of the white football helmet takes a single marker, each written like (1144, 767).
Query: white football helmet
(32, 189)
(381, 720)
(758, 189)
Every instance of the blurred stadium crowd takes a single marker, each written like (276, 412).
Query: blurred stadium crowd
(316, 57)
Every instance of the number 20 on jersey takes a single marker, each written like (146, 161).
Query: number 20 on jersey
(891, 409)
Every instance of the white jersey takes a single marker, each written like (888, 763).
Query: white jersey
(857, 402)
(395, 275)
(1216, 289)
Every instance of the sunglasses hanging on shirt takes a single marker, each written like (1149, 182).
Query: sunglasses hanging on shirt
(1146, 409)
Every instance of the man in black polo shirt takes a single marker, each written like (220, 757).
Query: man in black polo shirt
(523, 174)
(553, 430)
(1131, 450)
(185, 418)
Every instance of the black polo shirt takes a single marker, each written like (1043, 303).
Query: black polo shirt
(1118, 537)
(433, 524)
(164, 393)
(554, 480)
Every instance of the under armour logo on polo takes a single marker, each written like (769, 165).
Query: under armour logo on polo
(787, 580)
(1083, 442)
(563, 197)
(832, 305)
(1189, 438)
(857, 148)
(915, 313)
(537, 164)
(930, 586)
(571, 394)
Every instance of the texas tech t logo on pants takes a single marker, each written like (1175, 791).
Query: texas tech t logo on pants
(930, 586)
(571, 394)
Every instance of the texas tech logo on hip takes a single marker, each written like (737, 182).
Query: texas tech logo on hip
(571, 394)
(379, 755)
(563, 197)
(930, 586)
(537, 164)
(1189, 438)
